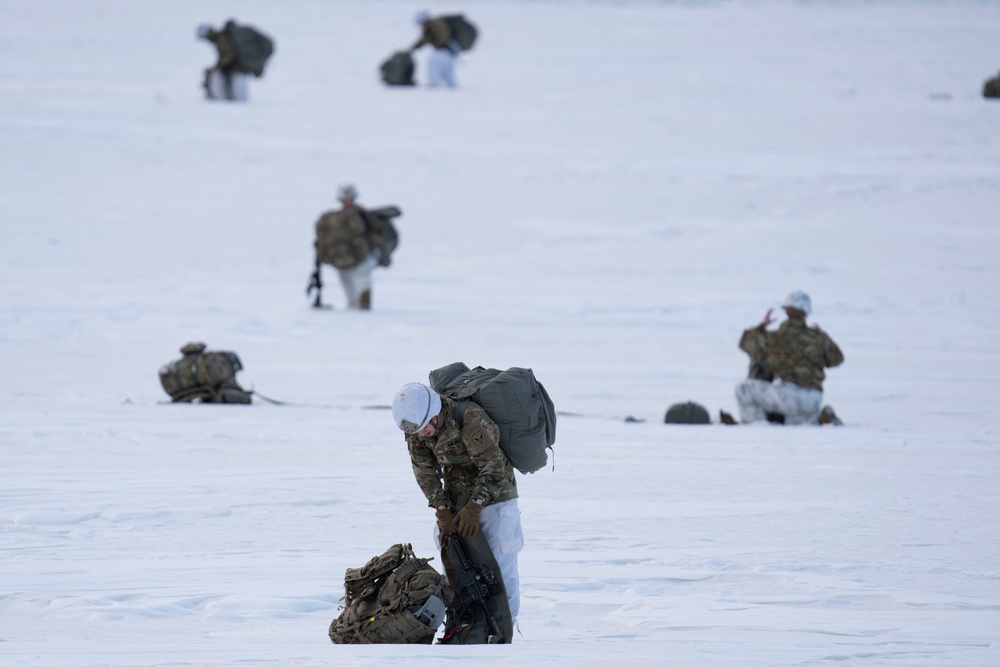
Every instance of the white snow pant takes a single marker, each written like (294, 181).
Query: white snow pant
(441, 68)
(799, 404)
(358, 279)
(238, 83)
(501, 526)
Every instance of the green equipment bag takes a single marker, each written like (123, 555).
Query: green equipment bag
(462, 31)
(687, 413)
(388, 236)
(514, 399)
(253, 48)
(992, 87)
(203, 375)
(395, 598)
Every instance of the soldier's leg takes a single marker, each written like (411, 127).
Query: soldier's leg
(748, 399)
(348, 283)
(799, 404)
(501, 526)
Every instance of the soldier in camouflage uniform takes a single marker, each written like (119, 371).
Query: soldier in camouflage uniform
(463, 474)
(797, 355)
(441, 63)
(354, 263)
(227, 64)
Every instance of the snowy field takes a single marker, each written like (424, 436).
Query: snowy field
(614, 193)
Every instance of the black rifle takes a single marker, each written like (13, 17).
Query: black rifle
(474, 585)
(316, 283)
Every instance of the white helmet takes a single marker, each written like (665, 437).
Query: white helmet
(202, 30)
(347, 191)
(414, 406)
(800, 300)
(421, 16)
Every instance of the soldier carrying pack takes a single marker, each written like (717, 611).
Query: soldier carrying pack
(205, 376)
(514, 399)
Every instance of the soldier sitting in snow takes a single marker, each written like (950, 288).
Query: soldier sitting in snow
(795, 355)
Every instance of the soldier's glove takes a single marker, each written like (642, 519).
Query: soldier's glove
(468, 519)
(446, 521)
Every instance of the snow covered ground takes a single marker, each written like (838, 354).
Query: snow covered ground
(616, 191)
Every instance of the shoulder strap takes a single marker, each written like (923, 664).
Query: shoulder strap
(460, 405)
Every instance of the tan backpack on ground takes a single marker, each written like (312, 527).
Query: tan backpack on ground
(206, 376)
(396, 598)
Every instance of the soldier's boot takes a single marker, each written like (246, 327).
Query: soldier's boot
(726, 418)
(775, 417)
(365, 302)
(828, 416)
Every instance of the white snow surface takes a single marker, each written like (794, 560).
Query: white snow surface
(613, 194)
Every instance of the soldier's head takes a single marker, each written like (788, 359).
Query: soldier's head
(348, 194)
(421, 17)
(797, 305)
(203, 31)
(416, 409)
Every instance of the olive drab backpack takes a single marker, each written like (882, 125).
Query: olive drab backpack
(253, 48)
(343, 238)
(395, 598)
(687, 413)
(462, 31)
(514, 399)
(203, 375)
(388, 237)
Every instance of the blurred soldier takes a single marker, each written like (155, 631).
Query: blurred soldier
(796, 355)
(463, 474)
(243, 50)
(441, 63)
(349, 240)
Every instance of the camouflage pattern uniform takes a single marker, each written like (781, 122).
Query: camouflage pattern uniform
(352, 248)
(456, 466)
(436, 32)
(797, 355)
(441, 62)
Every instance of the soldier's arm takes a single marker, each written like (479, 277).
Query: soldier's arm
(482, 440)
(425, 470)
(832, 356)
(754, 342)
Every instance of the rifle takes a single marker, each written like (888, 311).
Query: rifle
(473, 585)
(316, 283)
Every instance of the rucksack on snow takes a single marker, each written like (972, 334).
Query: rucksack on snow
(253, 48)
(463, 32)
(398, 69)
(395, 598)
(514, 399)
(203, 375)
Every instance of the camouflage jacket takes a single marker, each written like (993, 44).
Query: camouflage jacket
(455, 466)
(797, 353)
(227, 52)
(436, 32)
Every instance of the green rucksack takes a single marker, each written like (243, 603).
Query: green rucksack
(253, 48)
(687, 413)
(514, 399)
(203, 375)
(395, 598)
(387, 232)
(463, 32)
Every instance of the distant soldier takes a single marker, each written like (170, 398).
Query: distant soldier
(441, 64)
(354, 241)
(795, 356)
(243, 50)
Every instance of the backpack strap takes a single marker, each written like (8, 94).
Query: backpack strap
(460, 405)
